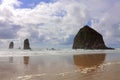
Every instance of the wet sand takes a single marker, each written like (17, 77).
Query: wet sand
(99, 66)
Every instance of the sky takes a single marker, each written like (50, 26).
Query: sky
(54, 23)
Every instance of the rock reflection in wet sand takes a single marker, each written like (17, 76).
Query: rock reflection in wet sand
(88, 62)
(26, 60)
(58, 67)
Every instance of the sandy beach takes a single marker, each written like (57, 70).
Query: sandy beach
(96, 66)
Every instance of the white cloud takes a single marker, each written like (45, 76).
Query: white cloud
(108, 24)
(51, 28)
(57, 22)
(10, 3)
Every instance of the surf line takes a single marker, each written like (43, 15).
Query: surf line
(27, 77)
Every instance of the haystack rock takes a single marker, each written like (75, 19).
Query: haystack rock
(88, 38)
(26, 44)
(11, 45)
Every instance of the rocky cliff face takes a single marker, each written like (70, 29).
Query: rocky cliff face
(11, 45)
(26, 44)
(88, 38)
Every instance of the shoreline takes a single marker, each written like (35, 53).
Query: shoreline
(52, 67)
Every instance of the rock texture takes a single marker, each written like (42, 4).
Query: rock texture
(88, 38)
(11, 45)
(26, 44)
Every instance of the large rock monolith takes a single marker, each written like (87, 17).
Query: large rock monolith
(88, 38)
(11, 45)
(26, 44)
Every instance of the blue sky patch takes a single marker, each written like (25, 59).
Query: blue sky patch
(0, 1)
(89, 23)
(32, 3)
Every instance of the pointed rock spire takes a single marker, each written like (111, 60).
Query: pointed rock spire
(11, 45)
(26, 44)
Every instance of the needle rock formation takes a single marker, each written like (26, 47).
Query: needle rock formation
(11, 45)
(26, 44)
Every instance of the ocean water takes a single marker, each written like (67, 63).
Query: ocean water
(59, 64)
(38, 52)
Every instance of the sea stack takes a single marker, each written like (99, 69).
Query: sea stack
(11, 45)
(88, 38)
(26, 44)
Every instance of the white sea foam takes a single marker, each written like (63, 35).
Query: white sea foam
(16, 52)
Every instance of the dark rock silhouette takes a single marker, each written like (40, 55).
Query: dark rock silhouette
(11, 45)
(88, 38)
(26, 44)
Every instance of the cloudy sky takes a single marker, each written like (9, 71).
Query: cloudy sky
(54, 23)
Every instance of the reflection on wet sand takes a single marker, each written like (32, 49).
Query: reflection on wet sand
(26, 60)
(60, 67)
(10, 59)
(88, 60)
